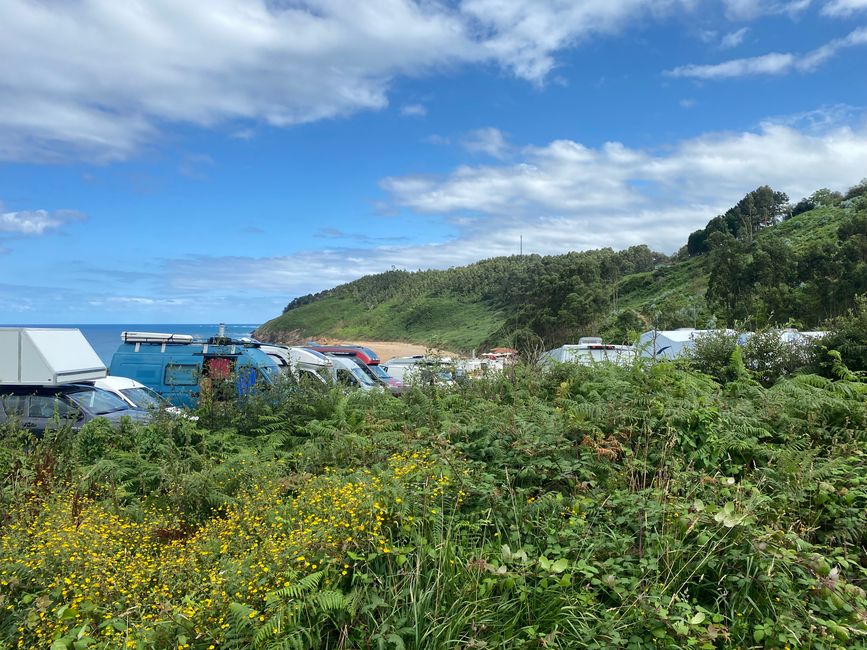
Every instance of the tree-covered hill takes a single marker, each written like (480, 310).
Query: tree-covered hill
(761, 263)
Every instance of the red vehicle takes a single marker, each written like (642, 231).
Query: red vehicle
(367, 355)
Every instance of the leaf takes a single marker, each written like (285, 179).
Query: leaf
(560, 565)
(697, 619)
(545, 563)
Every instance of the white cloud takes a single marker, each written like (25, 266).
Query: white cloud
(98, 78)
(733, 39)
(565, 196)
(488, 141)
(413, 110)
(752, 9)
(526, 33)
(35, 222)
(775, 63)
(843, 7)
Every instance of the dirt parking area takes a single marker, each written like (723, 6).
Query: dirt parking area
(388, 349)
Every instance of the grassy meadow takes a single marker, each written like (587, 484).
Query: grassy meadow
(643, 507)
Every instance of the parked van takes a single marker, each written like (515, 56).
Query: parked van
(348, 373)
(366, 360)
(421, 369)
(302, 363)
(177, 366)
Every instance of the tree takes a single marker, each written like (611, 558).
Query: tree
(729, 281)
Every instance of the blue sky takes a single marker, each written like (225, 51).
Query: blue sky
(180, 161)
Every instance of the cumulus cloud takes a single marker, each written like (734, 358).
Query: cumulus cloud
(35, 222)
(563, 196)
(843, 8)
(97, 78)
(775, 63)
(525, 34)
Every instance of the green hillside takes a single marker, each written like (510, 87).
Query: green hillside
(762, 262)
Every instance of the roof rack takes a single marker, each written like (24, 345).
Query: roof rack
(155, 337)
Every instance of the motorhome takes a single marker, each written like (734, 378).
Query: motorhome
(43, 375)
(421, 369)
(589, 350)
(179, 367)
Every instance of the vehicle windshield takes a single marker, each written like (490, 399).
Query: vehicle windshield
(97, 401)
(144, 397)
(270, 373)
(377, 370)
(362, 376)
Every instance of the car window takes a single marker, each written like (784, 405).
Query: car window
(14, 405)
(98, 401)
(182, 374)
(144, 397)
(45, 406)
(345, 377)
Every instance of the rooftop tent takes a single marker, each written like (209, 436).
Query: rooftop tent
(670, 344)
(667, 344)
(47, 357)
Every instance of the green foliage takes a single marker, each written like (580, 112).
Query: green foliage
(593, 507)
(848, 336)
(751, 265)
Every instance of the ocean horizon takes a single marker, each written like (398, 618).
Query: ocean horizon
(105, 338)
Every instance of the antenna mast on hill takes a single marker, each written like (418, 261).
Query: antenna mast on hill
(521, 246)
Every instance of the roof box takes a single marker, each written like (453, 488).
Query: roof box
(154, 337)
(46, 357)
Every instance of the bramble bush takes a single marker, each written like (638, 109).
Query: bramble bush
(600, 507)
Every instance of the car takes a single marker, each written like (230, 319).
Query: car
(137, 395)
(43, 408)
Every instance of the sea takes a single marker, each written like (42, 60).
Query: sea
(105, 338)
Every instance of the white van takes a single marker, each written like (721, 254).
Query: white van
(346, 372)
(302, 363)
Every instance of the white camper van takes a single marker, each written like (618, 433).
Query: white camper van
(302, 363)
(589, 350)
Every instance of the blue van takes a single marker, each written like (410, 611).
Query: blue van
(178, 366)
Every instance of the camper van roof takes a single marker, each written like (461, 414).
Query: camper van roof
(43, 356)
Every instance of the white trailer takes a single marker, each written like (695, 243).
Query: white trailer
(589, 350)
(42, 356)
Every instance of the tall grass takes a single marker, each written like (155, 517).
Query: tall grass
(583, 507)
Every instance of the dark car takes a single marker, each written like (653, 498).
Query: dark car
(41, 408)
